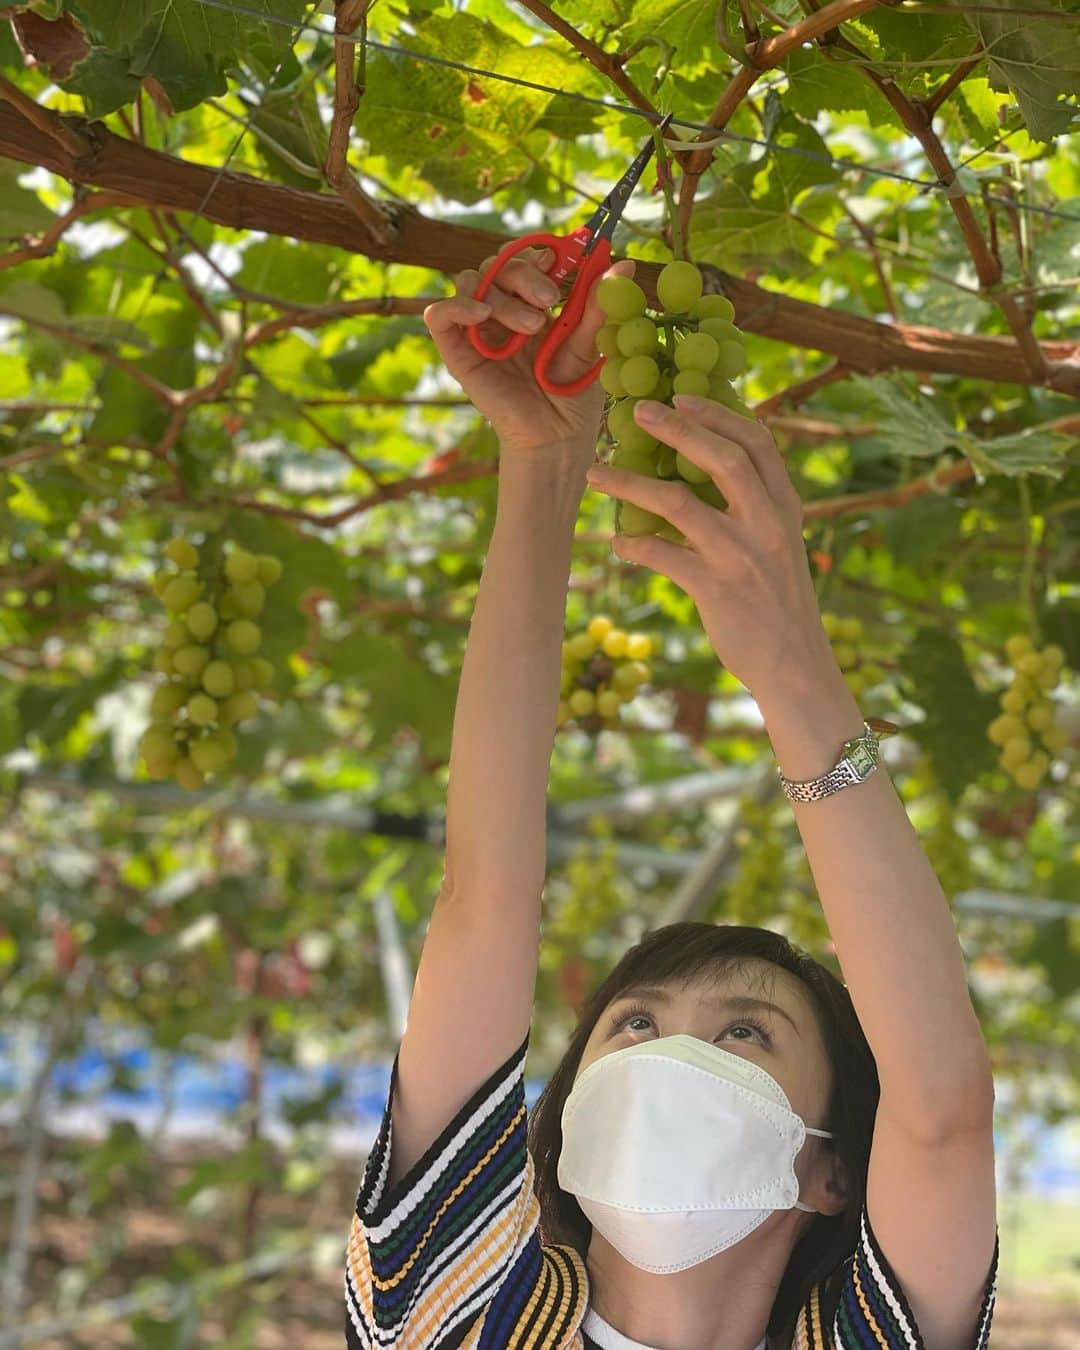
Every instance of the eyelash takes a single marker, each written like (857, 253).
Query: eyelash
(621, 1018)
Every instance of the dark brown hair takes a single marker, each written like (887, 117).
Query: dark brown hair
(681, 953)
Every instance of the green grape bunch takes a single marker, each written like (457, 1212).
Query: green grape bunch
(1027, 714)
(847, 640)
(208, 658)
(691, 347)
(603, 667)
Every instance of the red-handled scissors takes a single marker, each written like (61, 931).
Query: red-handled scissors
(586, 253)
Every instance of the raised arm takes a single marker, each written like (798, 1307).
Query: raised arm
(472, 1000)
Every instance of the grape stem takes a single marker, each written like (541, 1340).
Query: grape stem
(663, 177)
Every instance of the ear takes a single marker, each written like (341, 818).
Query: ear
(828, 1188)
(837, 1189)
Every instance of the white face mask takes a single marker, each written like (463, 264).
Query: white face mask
(676, 1149)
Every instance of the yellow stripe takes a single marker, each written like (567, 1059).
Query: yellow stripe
(881, 1337)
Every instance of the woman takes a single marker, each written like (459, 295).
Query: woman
(723, 1160)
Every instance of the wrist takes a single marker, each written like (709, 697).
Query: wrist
(808, 718)
(548, 479)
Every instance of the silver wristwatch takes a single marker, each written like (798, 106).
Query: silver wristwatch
(858, 760)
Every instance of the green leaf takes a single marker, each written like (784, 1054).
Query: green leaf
(1033, 450)
(351, 362)
(288, 270)
(908, 422)
(50, 710)
(401, 691)
(953, 732)
(835, 84)
(128, 408)
(466, 135)
(21, 211)
(1038, 59)
(186, 46)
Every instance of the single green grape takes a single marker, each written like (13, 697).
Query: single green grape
(180, 593)
(167, 699)
(712, 307)
(692, 473)
(611, 376)
(238, 707)
(637, 438)
(218, 679)
(720, 329)
(241, 566)
(620, 417)
(243, 636)
(188, 775)
(191, 660)
(732, 359)
(582, 702)
(208, 754)
(638, 337)
(710, 494)
(248, 597)
(202, 710)
(678, 286)
(607, 340)
(639, 375)
(183, 553)
(665, 461)
(269, 569)
(633, 460)
(692, 382)
(201, 620)
(620, 298)
(176, 634)
(697, 351)
(635, 520)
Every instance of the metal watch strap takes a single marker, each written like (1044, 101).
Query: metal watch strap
(859, 759)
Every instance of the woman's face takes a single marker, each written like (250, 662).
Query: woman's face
(784, 1039)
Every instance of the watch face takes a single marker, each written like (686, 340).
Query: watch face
(861, 759)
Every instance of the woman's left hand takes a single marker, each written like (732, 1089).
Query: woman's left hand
(745, 568)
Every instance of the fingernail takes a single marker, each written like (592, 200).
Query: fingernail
(547, 292)
(694, 402)
(533, 320)
(650, 411)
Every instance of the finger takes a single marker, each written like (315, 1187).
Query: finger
(703, 525)
(525, 276)
(513, 281)
(506, 309)
(459, 311)
(727, 463)
(682, 565)
(755, 439)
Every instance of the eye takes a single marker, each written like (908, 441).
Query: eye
(621, 1021)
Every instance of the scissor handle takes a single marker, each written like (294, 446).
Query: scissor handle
(516, 341)
(594, 264)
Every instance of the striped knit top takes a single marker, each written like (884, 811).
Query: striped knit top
(452, 1256)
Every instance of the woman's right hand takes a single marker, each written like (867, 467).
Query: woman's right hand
(525, 418)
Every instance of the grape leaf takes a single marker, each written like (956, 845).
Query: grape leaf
(186, 46)
(21, 211)
(1038, 59)
(466, 135)
(957, 713)
(832, 85)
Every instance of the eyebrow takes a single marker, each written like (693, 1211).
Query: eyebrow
(738, 1002)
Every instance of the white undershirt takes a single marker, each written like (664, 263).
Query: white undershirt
(606, 1336)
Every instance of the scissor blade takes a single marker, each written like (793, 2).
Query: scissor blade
(615, 201)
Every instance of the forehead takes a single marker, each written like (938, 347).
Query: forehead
(753, 979)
